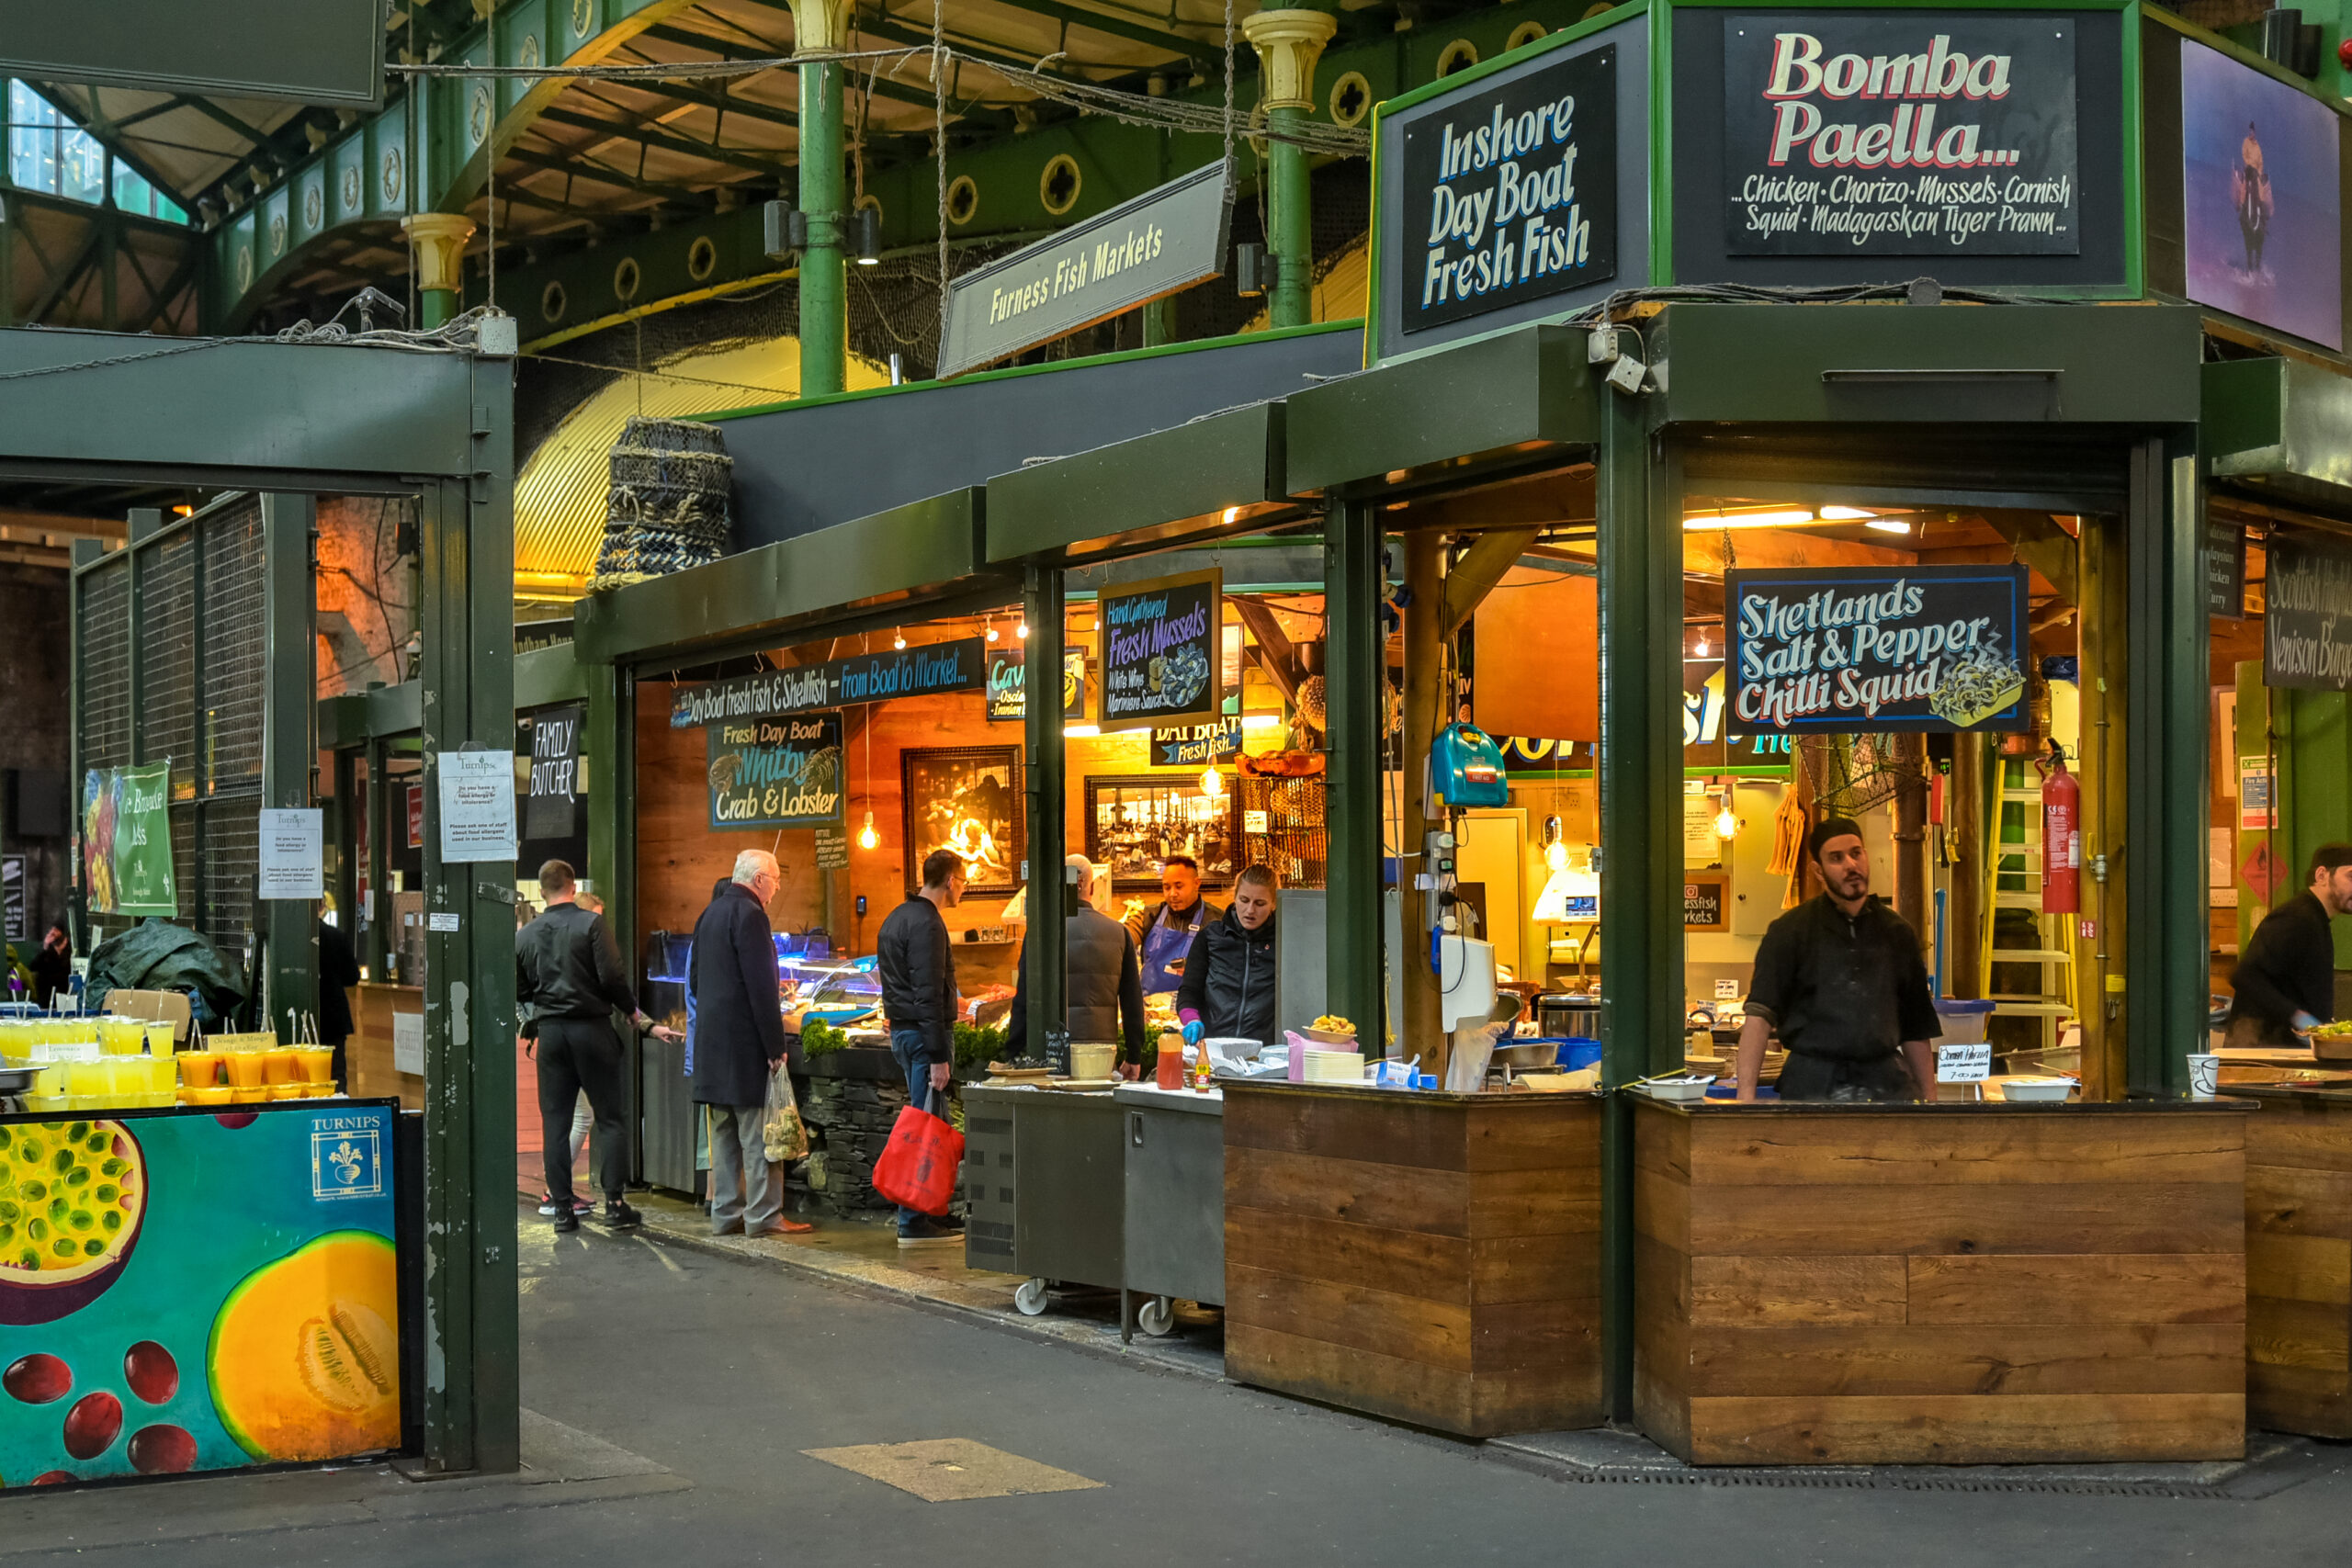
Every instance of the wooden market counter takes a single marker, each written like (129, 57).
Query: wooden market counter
(1954, 1284)
(1429, 1258)
(369, 1054)
(2299, 1261)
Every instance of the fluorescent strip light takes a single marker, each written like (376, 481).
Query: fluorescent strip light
(1888, 525)
(1081, 731)
(1845, 515)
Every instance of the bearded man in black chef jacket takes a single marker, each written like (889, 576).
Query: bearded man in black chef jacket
(1839, 978)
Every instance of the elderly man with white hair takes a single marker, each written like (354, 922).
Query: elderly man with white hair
(1105, 978)
(738, 1040)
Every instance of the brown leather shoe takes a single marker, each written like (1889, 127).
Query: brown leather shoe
(784, 1227)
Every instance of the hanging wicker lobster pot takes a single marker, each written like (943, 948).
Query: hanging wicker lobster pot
(667, 508)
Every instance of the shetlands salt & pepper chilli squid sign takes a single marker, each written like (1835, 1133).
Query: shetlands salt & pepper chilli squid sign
(1833, 648)
(1511, 194)
(1899, 133)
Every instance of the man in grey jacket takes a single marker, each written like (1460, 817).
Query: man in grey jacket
(1105, 979)
(915, 960)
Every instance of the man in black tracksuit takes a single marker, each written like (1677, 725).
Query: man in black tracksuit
(915, 961)
(569, 982)
(1229, 989)
(2286, 979)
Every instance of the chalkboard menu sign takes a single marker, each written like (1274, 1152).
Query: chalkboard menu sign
(2307, 618)
(927, 669)
(1160, 657)
(2225, 569)
(775, 772)
(1510, 193)
(1832, 648)
(1706, 903)
(555, 772)
(1008, 693)
(1899, 133)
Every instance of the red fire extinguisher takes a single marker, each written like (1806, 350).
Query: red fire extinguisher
(2062, 836)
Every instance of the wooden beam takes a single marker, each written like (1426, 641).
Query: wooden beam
(1475, 575)
(1280, 656)
(2044, 546)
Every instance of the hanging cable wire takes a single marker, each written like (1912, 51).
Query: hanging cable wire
(939, 146)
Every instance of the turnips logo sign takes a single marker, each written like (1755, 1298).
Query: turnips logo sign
(1912, 133)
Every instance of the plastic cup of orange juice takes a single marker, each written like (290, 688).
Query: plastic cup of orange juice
(280, 1066)
(317, 1066)
(214, 1096)
(200, 1069)
(246, 1069)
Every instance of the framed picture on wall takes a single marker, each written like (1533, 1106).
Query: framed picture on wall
(966, 798)
(1133, 825)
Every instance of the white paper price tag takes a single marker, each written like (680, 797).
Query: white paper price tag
(1963, 1064)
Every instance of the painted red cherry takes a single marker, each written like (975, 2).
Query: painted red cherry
(161, 1450)
(36, 1379)
(56, 1478)
(92, 1426)
(153, 1375)
(236, 1119)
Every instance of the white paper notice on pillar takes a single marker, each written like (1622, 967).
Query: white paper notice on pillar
(477, 806)
(293, 853)
(408, 1043)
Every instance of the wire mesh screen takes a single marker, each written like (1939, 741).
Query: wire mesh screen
(106, 666)
(225, 878)
(167, 663)
(235, 651)
(1293, 839)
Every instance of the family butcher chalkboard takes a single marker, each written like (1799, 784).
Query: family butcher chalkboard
(1510, 193)
(555, 773)
(1837, 649)
(1160, 646)
(775, 772)
(1899, 133)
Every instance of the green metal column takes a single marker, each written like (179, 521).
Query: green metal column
(345, 885)
(824, 283)
(1354, 671)
(379, 891)
(608, 758)
(1640, 593)
(472, 1415)
(1041, 697)
(8, 259)
(1289, 224)
(288, 926)
(2164, 963)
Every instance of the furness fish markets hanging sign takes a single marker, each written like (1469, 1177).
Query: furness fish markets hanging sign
(1899, 133)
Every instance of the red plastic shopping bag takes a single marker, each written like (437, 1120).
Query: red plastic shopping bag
(918, 1165)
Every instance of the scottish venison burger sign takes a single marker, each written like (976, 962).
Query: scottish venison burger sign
(1899, 133)
(2307, 618)
(1829, 649)
(1510, 193)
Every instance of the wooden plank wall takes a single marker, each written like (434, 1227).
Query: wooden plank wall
(1435, 1260)
(2299, 1268)
(368, 1056)
(1961, 1288)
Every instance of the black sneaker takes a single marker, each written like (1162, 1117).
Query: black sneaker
(564, 1221)
(924, 1231)
(619, 1215)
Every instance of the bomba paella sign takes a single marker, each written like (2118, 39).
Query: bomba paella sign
(775, 772)
(1833, 648)
(1899, 133)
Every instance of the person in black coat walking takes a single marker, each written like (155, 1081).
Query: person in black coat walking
(738, 1041)
(1228, 988)
(2285, 984)
(915, 961)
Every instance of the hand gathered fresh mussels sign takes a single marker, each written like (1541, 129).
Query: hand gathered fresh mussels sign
(1159, 654)
(775, 772)
(1899, 133)
(928, 670)
(1829, 649)
(1511, 194)
(2307, 618)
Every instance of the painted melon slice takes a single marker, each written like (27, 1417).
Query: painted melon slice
(71, 1195)
(304, 1361)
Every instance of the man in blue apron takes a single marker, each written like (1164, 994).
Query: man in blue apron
(1164, 932)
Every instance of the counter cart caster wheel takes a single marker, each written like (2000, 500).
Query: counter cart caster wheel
(1157, 1317)
(1029, 1298)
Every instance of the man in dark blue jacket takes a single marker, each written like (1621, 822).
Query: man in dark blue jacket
(916, 962)
(738, 1040)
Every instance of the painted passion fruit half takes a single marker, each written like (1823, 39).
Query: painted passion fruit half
(71, 1195)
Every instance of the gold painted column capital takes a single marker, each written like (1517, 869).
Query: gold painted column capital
(1288, 44)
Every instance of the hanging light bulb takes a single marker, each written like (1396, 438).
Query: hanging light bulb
(1211, 781)
(1727, 822)
(899, 641)
(992, 631)
(866, 837)
(1702, 642)
(1023, 629)
(1555, 856)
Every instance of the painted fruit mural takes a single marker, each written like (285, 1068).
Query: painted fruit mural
(304, 1361)
(72, 1196)
(242, 1305)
